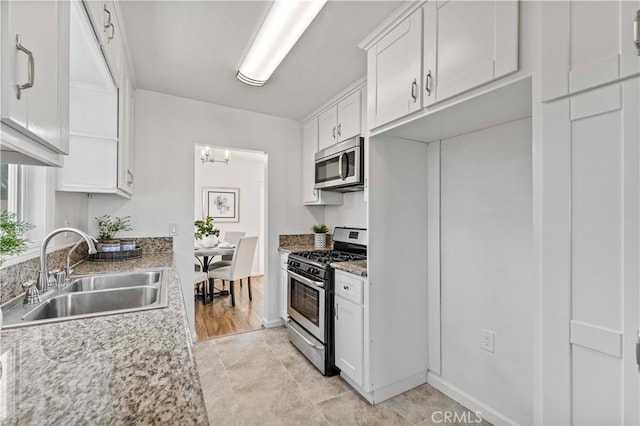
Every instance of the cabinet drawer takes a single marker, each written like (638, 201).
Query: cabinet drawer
(349, 287)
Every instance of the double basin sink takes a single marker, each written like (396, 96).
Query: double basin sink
(91, 296)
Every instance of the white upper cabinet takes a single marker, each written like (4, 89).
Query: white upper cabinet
(107, 29)
(101, 106)
(394, 72)
(309, 149)
(34, 81)
(340, 122)
(311, 196)
(587, 44)
(467, 44)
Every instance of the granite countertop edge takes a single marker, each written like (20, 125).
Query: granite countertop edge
(356, 267)
(126, 368)
(309, 247)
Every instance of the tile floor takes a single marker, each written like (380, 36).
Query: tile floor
(259, 378)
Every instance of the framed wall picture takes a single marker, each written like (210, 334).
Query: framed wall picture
(222, 204)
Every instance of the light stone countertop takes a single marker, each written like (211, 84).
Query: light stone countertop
(310, 247)
(356, 267)
(134, 368)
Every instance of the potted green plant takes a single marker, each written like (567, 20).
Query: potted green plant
(206, 232)
(107, 228)
(320, 237)
(12, 234)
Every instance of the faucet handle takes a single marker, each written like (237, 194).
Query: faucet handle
(32, 296)
(51, 281)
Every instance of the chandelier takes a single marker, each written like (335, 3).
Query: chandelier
(207, 157)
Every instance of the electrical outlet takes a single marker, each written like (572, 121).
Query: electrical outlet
(173, 229)
(487, 340)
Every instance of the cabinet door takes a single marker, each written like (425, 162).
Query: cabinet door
(349, 339)
(125, 145)
(394, 73)
(309, 149)
(112, 44)
(349, 117)
(477, 42)
(586, 44)
(43, 30)
(327, 128)
(590, 261)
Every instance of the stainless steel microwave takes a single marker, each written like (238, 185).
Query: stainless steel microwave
(340, 167)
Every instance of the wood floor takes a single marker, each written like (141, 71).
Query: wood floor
(220, 318)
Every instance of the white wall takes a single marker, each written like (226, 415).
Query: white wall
(166, 129)
(352, 212)
(70, 210)
(245, 171)
(487, 267)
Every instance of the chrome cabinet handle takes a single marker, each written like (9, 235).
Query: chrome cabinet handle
(636, 31)
(130, 181)
(333, 132)
(31, 71)
(107, 22)
(638, 349)
(340, 129)
(337, 309)
(113, 32)
(428, 82)
(414, 90)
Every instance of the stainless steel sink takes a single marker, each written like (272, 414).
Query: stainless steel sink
(91, 296)
(104, 282)
(83, 303)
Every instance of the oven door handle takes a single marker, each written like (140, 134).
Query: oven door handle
(315, 284)
(307, 341)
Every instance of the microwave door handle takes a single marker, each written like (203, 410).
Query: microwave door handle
(340, 166)
(344, 167)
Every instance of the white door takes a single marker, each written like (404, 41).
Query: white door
(309, 149)
(349, 117)
(586, 44)
(476, 42)
(349, 339)
(394, 72)
(590, 257)
(327, 128)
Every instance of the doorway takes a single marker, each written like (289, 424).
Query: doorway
(242, 174)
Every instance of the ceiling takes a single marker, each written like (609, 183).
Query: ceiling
(193, 49)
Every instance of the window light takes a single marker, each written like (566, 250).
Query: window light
(281, 29)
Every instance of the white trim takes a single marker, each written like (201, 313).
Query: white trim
(401, 13)
(396, 388)
(487, 413)
(272, 323)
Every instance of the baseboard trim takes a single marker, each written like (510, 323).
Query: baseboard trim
(272, 323)
(396, 388)
(488, 413)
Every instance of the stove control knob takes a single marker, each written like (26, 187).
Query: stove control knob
(316, 271)
(310, 270)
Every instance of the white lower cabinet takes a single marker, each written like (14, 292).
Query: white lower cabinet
(284, 257)
(349, 326)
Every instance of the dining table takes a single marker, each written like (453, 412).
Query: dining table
(208, 254)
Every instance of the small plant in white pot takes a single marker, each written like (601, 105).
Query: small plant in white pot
(320, 237)
(107, 228)
(206, 232)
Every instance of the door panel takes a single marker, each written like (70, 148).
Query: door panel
(591, 193)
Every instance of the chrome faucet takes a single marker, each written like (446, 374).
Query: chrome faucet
(43, 278)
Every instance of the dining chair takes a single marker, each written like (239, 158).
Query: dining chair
(240, 266)
(230, 237)
(200, 279)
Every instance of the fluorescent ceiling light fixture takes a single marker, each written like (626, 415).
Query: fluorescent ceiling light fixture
(281, 29)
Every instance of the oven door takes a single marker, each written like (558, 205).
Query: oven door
(306, 304)
(341, 169)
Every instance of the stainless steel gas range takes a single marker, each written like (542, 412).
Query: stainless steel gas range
(311, 292)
